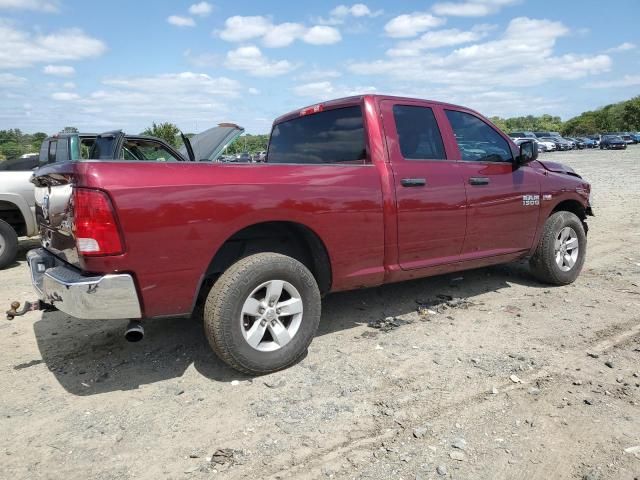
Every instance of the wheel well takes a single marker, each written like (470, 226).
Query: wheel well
(288, 238)
(572, 206)
(11, 214)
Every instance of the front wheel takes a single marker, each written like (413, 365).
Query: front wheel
(561, 251)
(262, 313)
(8, 244)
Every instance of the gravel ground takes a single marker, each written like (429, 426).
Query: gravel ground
(509, 380)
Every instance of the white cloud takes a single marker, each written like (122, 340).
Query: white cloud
(253, 91)
(48, 6)
(240, 29)
(23, 49)
(339, 15)
(623, 47)
(251, 60)
(411, 24)
(283, 35)
(523, 56)
(69, 85)
(65, 96)
(180, 21)
(626, 81)
(11, 80)
(201, 9)
(471, 8)
(178, 83)
(326, 90)
(59, 70)
(322, 35)
(196, 100)
(438, 39)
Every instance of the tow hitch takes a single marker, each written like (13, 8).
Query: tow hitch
(28, 307)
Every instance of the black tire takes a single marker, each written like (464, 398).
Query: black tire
(543, 263)
(8, 244)
(223, 312)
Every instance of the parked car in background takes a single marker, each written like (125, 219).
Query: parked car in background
(17, 205)
(546, 145)
(547, 134)
(520, 140)
(636, 136)
(522, 134)
(588, 142)
(561, 143)
(115, 145)
(243, 157)
(339, 204)
(579, 144)
(261, 156)
(628, 138)
(596, 139)
(612, 142)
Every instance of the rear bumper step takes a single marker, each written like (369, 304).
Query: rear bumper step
(111, 296)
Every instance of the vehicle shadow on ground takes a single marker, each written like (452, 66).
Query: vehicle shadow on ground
(90, 357)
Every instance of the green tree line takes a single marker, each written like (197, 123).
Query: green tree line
(617, 117)
(14, 143)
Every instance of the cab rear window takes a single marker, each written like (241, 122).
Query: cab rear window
(331, 136)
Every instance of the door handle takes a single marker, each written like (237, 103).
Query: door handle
(478, 181)
(413, 182)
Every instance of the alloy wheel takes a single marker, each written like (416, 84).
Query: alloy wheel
(271, 315)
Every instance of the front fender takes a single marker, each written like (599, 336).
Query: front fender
(552, 202)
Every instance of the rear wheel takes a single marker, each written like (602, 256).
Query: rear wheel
(262, 313)
(8, 244)
(561, 251)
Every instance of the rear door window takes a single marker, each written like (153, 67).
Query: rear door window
(476, 140)
(332, 136)
(418, 133)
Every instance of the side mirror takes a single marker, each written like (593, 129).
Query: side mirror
(528, 152)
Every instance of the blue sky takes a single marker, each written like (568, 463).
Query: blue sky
(123, 64)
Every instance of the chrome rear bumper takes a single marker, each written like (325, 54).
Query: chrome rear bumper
(109, 296)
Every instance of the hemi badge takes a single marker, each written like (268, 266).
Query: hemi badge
(547, 196)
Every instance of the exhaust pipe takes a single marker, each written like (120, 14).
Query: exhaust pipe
(134, 331)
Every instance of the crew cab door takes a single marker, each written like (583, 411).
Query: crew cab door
(503, 199)
(430, 194)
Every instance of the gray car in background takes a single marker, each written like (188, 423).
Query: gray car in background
(17, 205)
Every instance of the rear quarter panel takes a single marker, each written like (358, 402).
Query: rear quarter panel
(175, 216)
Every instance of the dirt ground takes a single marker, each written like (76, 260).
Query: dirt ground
(503, 379)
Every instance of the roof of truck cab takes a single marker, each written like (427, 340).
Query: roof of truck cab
(356, 99)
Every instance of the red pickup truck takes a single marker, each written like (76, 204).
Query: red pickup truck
(354, 193)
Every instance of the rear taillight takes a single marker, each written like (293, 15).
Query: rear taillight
(94, 224)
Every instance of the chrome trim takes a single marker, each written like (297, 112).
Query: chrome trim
(111, 296)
